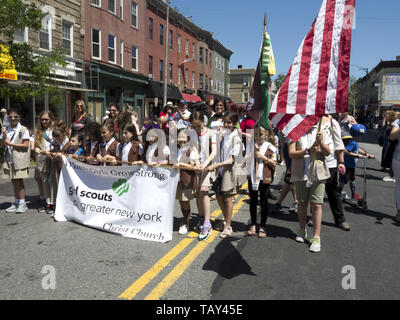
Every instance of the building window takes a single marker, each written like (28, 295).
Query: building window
(96, 3)
(161, 34)
(193, 79)
(111, 48)
(201, 55)
(150, 66)
(210, 60)
(134, 58)
(150, 28)
(171, 40)
(186, 77)
(96, 44)
(201, 84)
(134, 15)
(206, 87)
(193, 51)
(111, 6)
(206, 56)
(121, 9)
(179, 43)
(171, 75)
(67, 32)
(161, 70)
(45, 33)
(121, 53)
(187, 48)
(246, 81)
(179, 75)
(246, 97)
(21, 35)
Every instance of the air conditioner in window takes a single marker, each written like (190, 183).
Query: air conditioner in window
(150, 76)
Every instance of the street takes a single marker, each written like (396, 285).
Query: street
(89, 264)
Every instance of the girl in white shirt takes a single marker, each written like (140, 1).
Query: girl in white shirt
(130, 150)
(261, 177)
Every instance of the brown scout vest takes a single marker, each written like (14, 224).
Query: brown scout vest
(133, 154)
(21, 159)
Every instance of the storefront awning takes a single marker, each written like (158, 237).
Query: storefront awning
(156, 89)
(7, 67)
(191, 98)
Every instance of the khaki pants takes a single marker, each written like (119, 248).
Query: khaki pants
(50, 183)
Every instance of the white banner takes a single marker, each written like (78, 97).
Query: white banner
(132, 201)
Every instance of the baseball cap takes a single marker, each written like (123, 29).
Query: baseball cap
(3, 110)
(169, 103)
(183, 101)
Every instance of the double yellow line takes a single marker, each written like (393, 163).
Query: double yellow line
(180, 268)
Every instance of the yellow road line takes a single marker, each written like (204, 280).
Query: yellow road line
(140, 283)
(180, 268)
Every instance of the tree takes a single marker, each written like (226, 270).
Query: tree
(279, 79)
(16, 15)
(352, 94)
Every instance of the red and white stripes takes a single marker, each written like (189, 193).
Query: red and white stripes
(317, 81)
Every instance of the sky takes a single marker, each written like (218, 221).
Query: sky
(239, 25)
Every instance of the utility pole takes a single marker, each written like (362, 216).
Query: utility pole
(166, 58)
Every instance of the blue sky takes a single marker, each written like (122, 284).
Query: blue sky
(238, 25)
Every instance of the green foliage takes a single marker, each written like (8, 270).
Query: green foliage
(14, 14)
(279, 79)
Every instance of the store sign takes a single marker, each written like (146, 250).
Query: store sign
(392, 88)
(7, 67)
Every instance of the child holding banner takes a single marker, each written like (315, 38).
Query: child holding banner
(187, 158)
(152, 149)
(93, 141)
(108, 148)
(226, 184)
(208, 151)
(130, 150)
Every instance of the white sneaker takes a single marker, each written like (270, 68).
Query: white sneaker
(183, 229)
(22, 207)
(301, 236)
(12, 208)
(293, 208)
(315, 245)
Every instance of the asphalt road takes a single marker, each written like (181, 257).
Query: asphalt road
(43, 259)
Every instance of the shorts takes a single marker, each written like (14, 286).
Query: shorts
(315, 194)
(206, 181)
(184, 194)
(11, 174)
(349, 176)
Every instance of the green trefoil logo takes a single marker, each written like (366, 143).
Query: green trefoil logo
(120, 187)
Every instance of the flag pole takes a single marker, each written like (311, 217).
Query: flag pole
(259, 125)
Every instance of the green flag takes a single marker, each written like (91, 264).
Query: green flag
(267, 70)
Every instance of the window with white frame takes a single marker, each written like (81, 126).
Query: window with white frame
(179, 43)
(45, 33)
(161, 70)
(179, 75)
(171, 39)
(21, 35)
(187, 48)
(193, 51)
(201, 84)
(134, 19)
(245, 97)
(111, 48)
(96, 3)
(121, 53)
(134, 58)
(171, 73)
(96, 44)
(193, 79)
(186, 77)
(121, 9)
(67, 37)
(111, 6)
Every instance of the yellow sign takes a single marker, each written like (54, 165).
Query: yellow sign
(7, 67)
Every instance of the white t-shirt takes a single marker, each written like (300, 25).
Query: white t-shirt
(227, 149)
(333, 138)
(152, 149)
(125, 151)
(193, 157)
(207, 134)
(12, 135)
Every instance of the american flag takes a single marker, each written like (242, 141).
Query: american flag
(317, 81)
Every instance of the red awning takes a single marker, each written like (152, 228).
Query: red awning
(191, 98)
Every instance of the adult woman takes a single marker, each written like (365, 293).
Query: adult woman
(15, 138)
(79, 120)
(395, 135)
(390, 117)
(216, 121)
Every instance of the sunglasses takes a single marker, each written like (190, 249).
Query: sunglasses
(13, 117)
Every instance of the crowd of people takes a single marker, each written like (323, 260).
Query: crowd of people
(315, 164)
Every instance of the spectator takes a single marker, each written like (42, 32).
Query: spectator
(395, 135)
(79, 120)
(182, 115)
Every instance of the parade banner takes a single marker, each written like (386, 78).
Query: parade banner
(132, 201)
